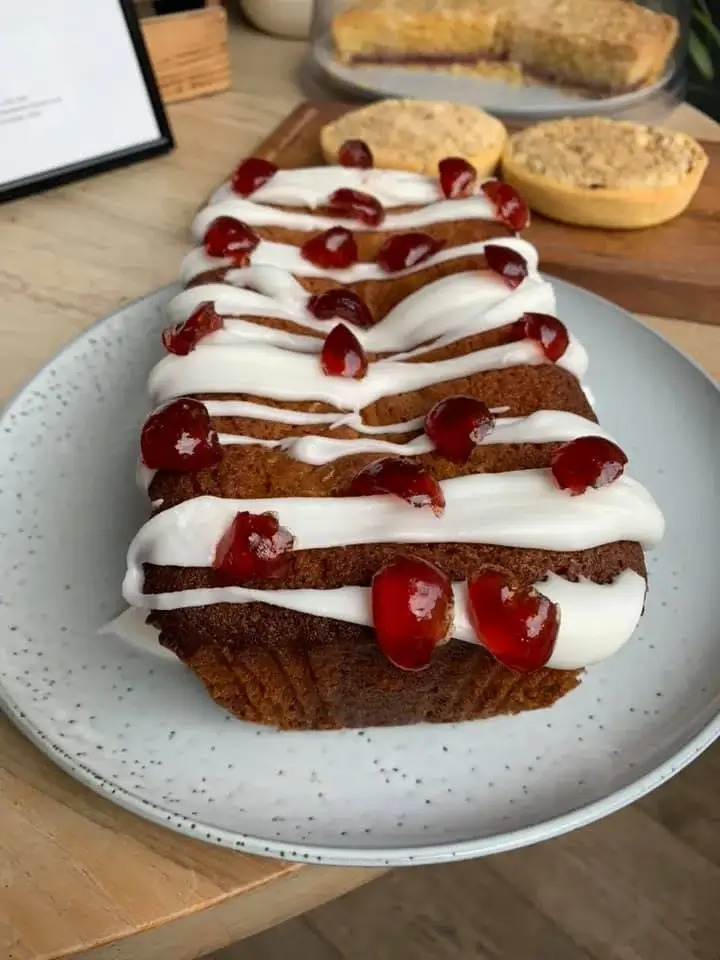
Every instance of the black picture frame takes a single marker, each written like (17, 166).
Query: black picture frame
(59, 176)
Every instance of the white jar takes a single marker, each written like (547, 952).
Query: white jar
(284, 18)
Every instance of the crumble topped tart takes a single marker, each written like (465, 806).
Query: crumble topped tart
(606, 48)
(593, 171)
(416, 134)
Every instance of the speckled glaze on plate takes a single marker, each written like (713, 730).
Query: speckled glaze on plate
(133, 724)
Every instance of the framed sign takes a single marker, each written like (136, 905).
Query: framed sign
(77, 93)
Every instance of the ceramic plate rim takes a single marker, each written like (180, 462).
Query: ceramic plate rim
(349, 855)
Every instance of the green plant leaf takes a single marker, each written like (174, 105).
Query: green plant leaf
(700, 56)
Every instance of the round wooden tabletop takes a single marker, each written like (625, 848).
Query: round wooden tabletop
(79, 877)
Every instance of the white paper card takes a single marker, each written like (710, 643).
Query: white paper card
(71, 88)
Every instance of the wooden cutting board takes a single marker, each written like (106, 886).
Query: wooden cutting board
(668, 271)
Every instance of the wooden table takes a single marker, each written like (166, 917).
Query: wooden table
(79, 877)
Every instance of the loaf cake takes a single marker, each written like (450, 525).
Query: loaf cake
(417, 134)
(380, 494)
(597, 172)
(610, 47)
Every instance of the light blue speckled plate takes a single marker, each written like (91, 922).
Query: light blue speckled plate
(137, 727)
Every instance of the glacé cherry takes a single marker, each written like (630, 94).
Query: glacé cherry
(342, 354)
(254, 547)
(399, 477)
(343, 303)
(412, 611)
(228, 237)
(334, 249)
(180, 437)
(182, 338)
(405, 250)
(355, 205)
(456, 425)
(587, 462)
(507, 263)
(355, 153)
(518, 626)
(547, 331)
(252, 174)
(510, 208)
(457, 177)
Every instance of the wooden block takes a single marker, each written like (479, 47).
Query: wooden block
(189, 52)
(668, 271)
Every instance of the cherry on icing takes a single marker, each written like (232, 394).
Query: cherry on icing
(355, 205)
(228, 237)
(547, 331)
(587, 462)
(180, 437)
(343, 303)
(412, 611)
(254, 547)
(507, 263)
(456, 425)
(399, 477)
(457, 177)
(355, 153)
(335, 249)
(510, 208)
(252, 174)
(517, 626)
(405, 250)
(342, 354)
(184, 337)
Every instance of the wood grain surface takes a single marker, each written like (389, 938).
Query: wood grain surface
(671, 270)
(81, 878)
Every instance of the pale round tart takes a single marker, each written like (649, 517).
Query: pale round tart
(596, 172)
(416, 135)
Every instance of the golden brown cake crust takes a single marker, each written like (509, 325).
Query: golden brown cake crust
(611, 46)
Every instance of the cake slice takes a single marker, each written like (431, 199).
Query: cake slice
(380, 493)
(607, 47)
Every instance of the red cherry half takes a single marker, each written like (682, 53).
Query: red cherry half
(179, 437)
(228, 237)
(587, 462)
(412, 611)
(517, 626)
(251, 174)
(457, 177)
(510, 208)
(342, 354)
(355, 205)
(355, 153)
(335, 249)
(400, 477)
(406, 250)
(456, 425)
(547, 331)
(254, 547)
(184, 337)
(343, 303)
(507, 263)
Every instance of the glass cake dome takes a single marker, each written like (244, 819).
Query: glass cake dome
(518, 59)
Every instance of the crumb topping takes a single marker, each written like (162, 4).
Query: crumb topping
(597, 154)
(422, 125)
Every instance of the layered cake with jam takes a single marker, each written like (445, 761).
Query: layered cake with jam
(380, 494)
(603, 48)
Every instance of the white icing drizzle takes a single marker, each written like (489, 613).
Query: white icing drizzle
(287, 257)
(262, 369)
(311, 186)
(595, 619)
(517, 509)
(543, 426)
(260, 215)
